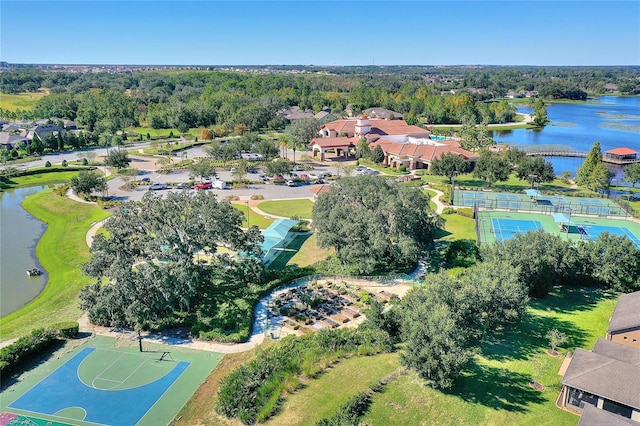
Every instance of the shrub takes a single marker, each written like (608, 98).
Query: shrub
(61, 190)
(85, 162)
(48, 163)
(448, 210)
(402, 169)
(420, 172)
(65, 163)
(25, 348)
(257, 197)
(68, 329)
(466, 212)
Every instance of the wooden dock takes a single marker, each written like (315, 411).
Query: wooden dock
(582, 154)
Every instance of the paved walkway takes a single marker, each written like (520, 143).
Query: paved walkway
(436, 199)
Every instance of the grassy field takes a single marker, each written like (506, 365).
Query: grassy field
(162, 133)
(62, 251)
(255, 219)
(23, 101)
(302, 251)
(301, 208)
(457, 227)
(322, 397)
(493, 390)
(40, 179)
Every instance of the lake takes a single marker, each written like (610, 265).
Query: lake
(19, 235)
(614, 121)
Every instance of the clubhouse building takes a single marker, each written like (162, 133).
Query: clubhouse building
(402, 144)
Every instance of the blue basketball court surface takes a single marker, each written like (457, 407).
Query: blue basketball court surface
(108, 399)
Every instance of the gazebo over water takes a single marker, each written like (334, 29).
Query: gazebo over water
(621, 156)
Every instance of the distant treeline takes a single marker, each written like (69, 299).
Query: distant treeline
(107, 102)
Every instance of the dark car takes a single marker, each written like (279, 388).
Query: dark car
(146, 179)
(184, 185)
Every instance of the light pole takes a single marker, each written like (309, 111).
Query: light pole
(453, 184)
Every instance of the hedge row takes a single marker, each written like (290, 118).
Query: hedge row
(26, 347)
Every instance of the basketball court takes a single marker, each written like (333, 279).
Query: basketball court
(104, 382)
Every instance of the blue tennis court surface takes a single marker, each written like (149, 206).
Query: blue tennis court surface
(594, 231)
(511, 197)
(63, 390)
(504, 229)
(591, 202)
(473, 194)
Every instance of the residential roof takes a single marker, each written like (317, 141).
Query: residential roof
(604, 376)
(378, 126)
(621, 151)
(593, 416)
(618, 351)
(627, 313)
(382, 113)
(320, 189)
(10, 138)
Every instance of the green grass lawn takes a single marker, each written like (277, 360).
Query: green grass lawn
(255, 219)
(162, 133)
(493, 390)
(62, 250)
(322, 397)
(301, 208)
(39, 179)
(23, 101)
(457, 227)
(431, 194)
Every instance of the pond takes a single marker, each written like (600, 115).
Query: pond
(614, 121)
(19, 235)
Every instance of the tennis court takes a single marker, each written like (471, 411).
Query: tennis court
(494, 226)
(594, 231)
(99, 383)
(522, 202)
(504, 229)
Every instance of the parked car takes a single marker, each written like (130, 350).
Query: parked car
(291, 183)
(313, 176)
(184, 185)
(146, 179)
(157, 186)
(252, 170)
(360, 168)
(263, 177)
(294, 175)
(233, 170)
(203, 185)
(298, 168)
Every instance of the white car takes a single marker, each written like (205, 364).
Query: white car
(291, 183)
(313, 176)
(157, 186)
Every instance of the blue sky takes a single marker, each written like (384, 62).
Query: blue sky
(534, 32)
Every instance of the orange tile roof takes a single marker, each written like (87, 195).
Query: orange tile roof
(333, 142)
(621, 151)
(425, 152)
(320, 189)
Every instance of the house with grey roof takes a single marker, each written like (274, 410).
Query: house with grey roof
(624, 325)
(8, 141)
(43, 131)
(295, 113)
(384, 113)
(593, 416)
(607, 377)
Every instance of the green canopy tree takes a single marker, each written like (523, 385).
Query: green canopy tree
(449, 165)
(540, 118)
(491, 167)
(303, 130)
(374, 224)
(86, 182)
(118, 158)
(377, 155)
(632, 174)
(593, 173)
(202, 169)
(146, 270)
(535, 169)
